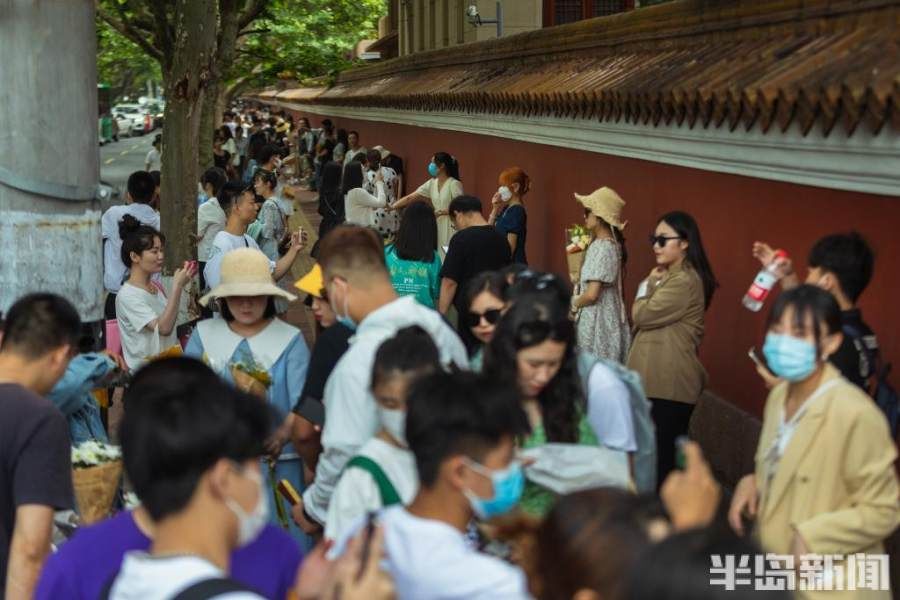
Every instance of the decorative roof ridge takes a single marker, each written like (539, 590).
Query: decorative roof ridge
(673, 22)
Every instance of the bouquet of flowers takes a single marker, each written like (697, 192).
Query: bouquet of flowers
(578, 238)
(250, 376)
(96, 472)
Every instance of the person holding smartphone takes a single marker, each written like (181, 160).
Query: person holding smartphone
(668, 316)
(508, 211)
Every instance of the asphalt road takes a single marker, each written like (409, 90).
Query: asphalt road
(120, 159)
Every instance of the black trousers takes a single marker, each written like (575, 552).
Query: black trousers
(672, 420)
(109, 309)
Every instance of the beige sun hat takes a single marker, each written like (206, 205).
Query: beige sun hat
(606, 204)
(246, 272)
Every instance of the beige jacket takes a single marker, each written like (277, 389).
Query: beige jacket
(668, 328)
(835, 482)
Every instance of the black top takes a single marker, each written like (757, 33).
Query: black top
(35, 459)
(471, 252)
(514, 219)
(327, 351)
(851, 358)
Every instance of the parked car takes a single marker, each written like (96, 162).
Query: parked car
(142, 121)
(125, 124)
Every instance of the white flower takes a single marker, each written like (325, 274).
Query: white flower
(92, 453)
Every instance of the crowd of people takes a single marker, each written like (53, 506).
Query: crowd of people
(464, 425)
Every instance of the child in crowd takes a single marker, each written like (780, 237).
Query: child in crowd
(383, 472)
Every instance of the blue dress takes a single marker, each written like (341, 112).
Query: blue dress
(288, 374)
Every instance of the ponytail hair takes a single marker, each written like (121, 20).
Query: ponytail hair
(451, 165)
(410, 351)
(516, 175)
(136, 237)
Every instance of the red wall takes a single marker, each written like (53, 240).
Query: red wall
(732, 212)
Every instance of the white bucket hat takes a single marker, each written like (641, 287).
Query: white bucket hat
(246, 272)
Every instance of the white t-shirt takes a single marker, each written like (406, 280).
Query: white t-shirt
(210, 221)
(153, 160)
(163, 577)
(224, 243)
(431, 560)
(113, 268)
(135, 308)
(609, 409)
(357, 492)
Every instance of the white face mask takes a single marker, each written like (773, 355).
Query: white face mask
(250, 524)
(394, 422)
(505, 193)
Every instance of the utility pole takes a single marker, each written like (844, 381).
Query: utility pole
(49, 160)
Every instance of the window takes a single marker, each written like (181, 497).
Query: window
(567, 11)
(560, 12)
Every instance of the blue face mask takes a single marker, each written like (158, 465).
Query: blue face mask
(432, 169)
(508, 485)
(790, 358)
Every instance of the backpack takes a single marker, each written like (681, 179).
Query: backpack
(644, 429)
(204, 589)
(880, 389)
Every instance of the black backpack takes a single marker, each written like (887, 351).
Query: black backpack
(884, 395)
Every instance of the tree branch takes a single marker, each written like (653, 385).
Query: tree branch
(124, 28)
(253, 31)
(164, 30)
(251, 12)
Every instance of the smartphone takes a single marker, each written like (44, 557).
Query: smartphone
(288, 492)
(312, 410)
(367, 544)
(680, 458)
(753, 356)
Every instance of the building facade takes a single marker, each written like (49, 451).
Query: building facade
(770, 121)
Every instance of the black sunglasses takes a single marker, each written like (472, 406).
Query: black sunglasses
(473, 319)
(541, 281)
(661, 240)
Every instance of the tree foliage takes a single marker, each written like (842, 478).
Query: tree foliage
(122, 64)
(304, 38)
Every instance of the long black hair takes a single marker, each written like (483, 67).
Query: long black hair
(686, 228)
(411, 350)
(528, 323)
(331, 199)
(450, 164)
(494, 283)
(417, 236)
(353, 177)
(136, 237)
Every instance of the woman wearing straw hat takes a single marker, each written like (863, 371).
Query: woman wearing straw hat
(602, 323)
(257, 352)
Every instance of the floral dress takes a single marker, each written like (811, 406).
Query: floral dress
(602, 328)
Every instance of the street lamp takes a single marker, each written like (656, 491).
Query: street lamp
(475, 18)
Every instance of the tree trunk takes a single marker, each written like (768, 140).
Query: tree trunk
(229, 26)
(186, 83)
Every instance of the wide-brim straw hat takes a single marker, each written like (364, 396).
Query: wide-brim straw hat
(245, 272)
(312, 283)
(606, 204)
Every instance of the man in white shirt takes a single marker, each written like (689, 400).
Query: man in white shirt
(211, 218)
(214, 502)
(354, 149)
(240, 206)
(141, 188)
(360, 291)
(461, 429)
(154, 157)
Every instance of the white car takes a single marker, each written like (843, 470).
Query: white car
(141, 121)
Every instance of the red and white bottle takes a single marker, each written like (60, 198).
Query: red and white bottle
(764, 282)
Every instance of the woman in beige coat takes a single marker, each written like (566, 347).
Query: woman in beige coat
(824, 482)
(668, 327)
